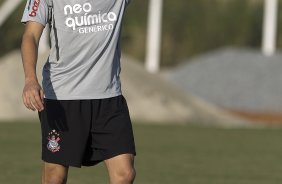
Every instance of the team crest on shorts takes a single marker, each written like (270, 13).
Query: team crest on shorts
(53, 144)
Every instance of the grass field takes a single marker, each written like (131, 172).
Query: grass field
(165, 155)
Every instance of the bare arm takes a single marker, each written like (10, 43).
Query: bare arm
(32, 92)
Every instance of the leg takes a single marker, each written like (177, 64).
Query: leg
(121, 169)
(54, 174)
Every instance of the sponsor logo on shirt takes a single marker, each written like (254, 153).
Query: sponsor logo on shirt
(35, 7)
(79, 18)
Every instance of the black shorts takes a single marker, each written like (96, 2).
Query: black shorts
(85, 132)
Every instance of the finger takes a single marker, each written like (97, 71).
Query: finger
(24, 101)
(38, 102)
(42, 96)
(32, 104)
(35, 101)
(29, 102)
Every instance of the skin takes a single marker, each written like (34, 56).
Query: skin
(120, 168)
(32, 93)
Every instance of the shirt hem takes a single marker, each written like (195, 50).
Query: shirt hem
(71, 97)
(39, 22)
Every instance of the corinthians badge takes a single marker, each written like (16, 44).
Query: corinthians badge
(53, 144)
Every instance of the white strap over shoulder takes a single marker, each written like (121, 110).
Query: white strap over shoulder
(50, 10)
(49, 3)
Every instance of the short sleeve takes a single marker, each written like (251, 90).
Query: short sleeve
(37, 11)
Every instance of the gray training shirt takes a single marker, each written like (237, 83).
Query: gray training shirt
(84, 60)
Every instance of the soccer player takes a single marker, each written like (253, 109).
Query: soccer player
(84, 117)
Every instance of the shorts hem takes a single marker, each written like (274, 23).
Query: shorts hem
(106, 157)
(64, 163)
(87, 163)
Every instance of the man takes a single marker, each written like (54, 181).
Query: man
(84, 117)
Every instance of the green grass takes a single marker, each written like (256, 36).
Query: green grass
(165, 155)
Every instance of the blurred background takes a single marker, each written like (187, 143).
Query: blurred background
(203, 83)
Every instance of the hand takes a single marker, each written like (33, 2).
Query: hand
(33, 96)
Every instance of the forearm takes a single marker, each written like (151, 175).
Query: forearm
(29, 50)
